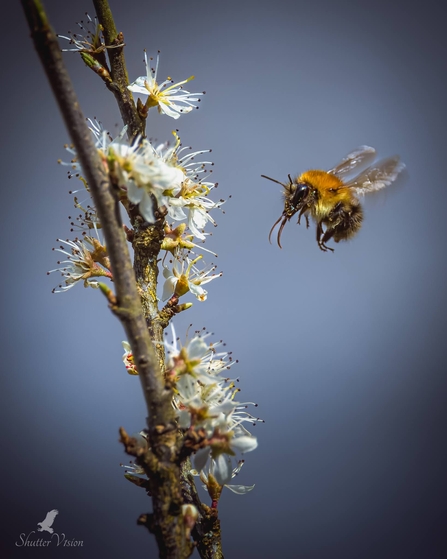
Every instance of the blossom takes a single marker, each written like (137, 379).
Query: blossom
(171, 99)
(204, 401)
(202, 361)
(207, 411)
(86, 259)
(179, 281)
(193, 358)
(165, 172)
(90, 40)
(155, 176)
(103, 140)
(136, 168)
(143, 175)
(190, 515)
(87, 220)
(193, 196)
(210, 480)
(176, 238)
(192, 367)
(221, 447)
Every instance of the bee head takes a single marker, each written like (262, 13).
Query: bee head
(298, 194)
(295, 197)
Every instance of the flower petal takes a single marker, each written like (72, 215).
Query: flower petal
(240, 489)
(244, 444)
(201, 458)
(222, 469)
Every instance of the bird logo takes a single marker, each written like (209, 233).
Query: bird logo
(48, 522)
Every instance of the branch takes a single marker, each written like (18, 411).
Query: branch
(118, 70)
(165, 484)
(146, 240)
(128, 303)
(206, 532)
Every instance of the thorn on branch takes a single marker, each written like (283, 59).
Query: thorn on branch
(133, 445)
(165, 429)
(161, 212)
(193, 440)
(130, 233)
(118, 41)
(142, 109)
(171, 309)
(148, 521)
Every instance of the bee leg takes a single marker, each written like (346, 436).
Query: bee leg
(319, 235)
(303, 212)
(328, 234)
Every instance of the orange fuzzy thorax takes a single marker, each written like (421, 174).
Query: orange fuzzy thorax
(330, 191)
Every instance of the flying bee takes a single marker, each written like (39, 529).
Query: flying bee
(331, 200)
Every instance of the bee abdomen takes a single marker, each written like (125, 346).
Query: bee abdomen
(347, 221)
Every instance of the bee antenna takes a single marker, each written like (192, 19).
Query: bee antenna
(277, 182)
(290, 179)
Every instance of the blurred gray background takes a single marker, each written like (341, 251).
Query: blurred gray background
(345, 353)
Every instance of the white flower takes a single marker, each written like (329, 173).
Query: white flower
(191, 359)
(222, 447)
(179, 281)
(193, 197)
(143, 175)
(205, 403)
(171, 99)
(177, 238)
(164, 173)
(198, 207)
(103, 140)
(206, 400)
(90, 41)
(214, 472)
(87, 221)
(137, 168)
(223, 469)
(86, 259)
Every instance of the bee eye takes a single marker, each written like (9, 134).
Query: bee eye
(300, 193)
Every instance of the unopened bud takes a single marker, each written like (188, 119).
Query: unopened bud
(108, 293)
(128, 359)
(190, 514)
(98, 68)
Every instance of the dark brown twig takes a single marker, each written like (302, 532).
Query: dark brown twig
(165, 479)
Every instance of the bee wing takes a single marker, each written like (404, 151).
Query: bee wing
(376, 177)
(360, 156)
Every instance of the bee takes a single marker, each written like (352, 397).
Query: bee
(331, 200)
